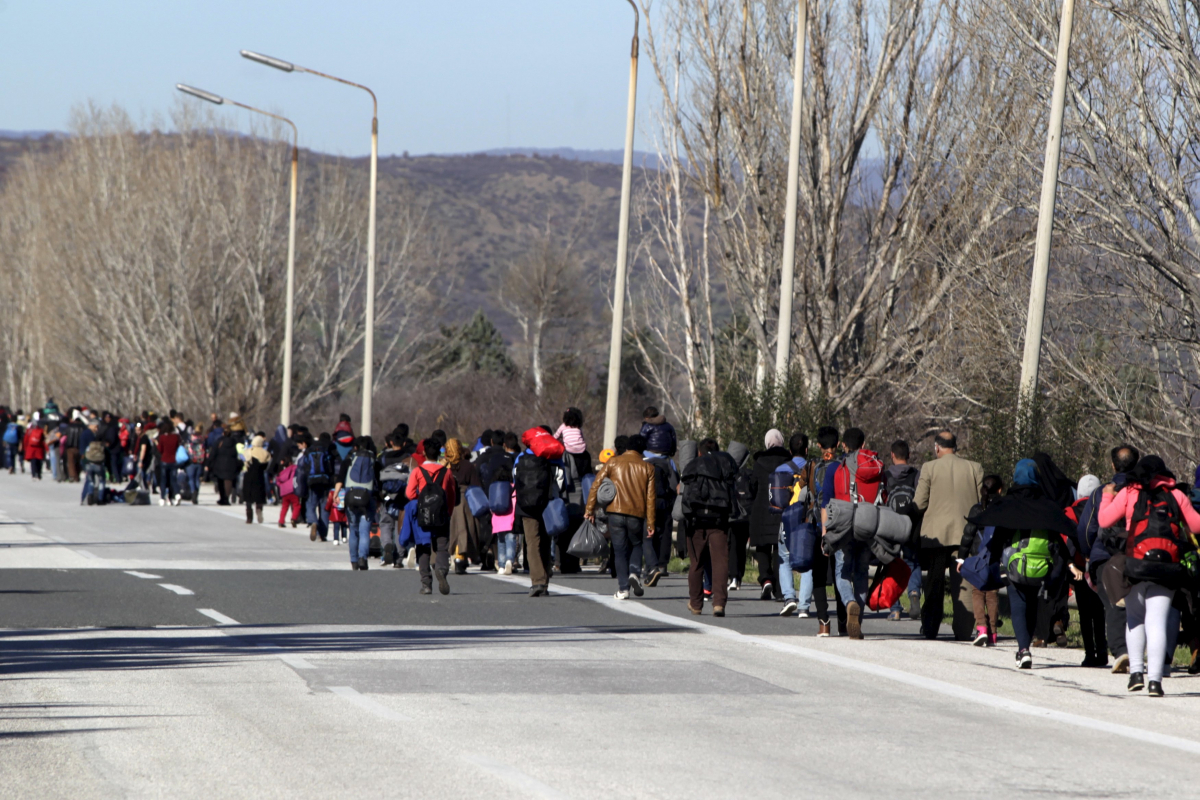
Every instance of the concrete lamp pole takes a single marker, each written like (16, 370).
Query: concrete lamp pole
(369, 333)
(618, 322)
(285, 402)
(1041, 258)
(787, 286)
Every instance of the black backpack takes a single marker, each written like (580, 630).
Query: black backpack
(664, 493)
(532, 481)
(743, 492)
(706, 492)
(819, 471)
(431, 502)
(901, 493)
(320, 469)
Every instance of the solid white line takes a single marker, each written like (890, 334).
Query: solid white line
(218, 616)
(637, 609)
(367, 704)
(296, 662)
(146, 575)
(170, 587)
(87, 554)
(525, 783)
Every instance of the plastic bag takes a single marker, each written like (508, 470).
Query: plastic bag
(588, 542)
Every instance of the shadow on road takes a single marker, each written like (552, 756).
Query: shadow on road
(63, 651)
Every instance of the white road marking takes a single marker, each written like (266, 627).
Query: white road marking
(218, 616)
(367, 704)
(146, 575)
(37, 529)
(87, 554)
(171, 587)
(527, 784)
(636, 609)
(60, 539)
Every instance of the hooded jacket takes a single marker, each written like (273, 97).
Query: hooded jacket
(764, 524)
(659, 435)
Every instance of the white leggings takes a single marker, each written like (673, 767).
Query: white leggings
(1146, 610)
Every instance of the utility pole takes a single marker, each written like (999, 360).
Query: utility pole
(1041, 257)
(787, 284)
(618, 322)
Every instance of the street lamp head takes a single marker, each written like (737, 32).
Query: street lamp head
(203, 95)
(277, 63)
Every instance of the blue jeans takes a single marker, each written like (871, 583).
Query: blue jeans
(359, 527)
(93, 478)
(786, 584)
(851, 567)
(194, 471)
(510, 546)
(627, 534)
(315, 513)
(168, 480)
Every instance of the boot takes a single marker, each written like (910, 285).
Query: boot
(258, 513)
(389, 553)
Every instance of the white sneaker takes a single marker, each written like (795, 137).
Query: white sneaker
(177, 499)
(733, 585)
(162, 502)
(621, 595)
(508, 568)
(337, 541)
(803, 614)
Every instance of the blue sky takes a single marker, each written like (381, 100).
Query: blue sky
(451, 75)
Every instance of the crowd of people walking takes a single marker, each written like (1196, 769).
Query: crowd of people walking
(832, 514)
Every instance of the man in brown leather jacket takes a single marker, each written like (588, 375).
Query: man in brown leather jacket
(630, 514)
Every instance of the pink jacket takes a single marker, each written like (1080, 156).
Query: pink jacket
(1115, 507)
(286, 480)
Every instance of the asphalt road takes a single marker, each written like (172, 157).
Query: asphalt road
(179, 652)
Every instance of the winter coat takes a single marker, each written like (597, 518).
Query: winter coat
(286, 480)
(947, 491)
(225, 462)
(764, 525)
(254, 485)
(634, 481)
(464, 527)
(35, 444)
(659, 435)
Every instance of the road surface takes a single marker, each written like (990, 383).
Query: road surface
(179, 652)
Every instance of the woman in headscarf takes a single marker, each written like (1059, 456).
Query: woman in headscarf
(1031, 524)
(464, 528)
(764, 524)
(1148, 604)
(254, 485)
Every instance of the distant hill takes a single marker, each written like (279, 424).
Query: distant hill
(640, 158)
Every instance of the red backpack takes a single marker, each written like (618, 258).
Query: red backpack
(861, 475)
(1155, 545)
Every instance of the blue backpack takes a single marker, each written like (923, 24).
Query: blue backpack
(500, 497)
(360, 480)
(979, 570)
(320, 469)
(10, 433)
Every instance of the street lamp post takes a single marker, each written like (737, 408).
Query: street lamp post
(369, 334)
(285, 402)
(1035, 319)
(618, 322)
(787, 286)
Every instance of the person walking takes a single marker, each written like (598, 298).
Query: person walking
(706, 486)
(900, 486)
(984, 602)
(430, 472)
(856, 478)
(631, 513)
(35, 449)
(464, 527)
(1099, 549)
(168, 481)
(764, 524)
(1091, 610)
(254, 478)
(197, 458)
(335, 513)
(796, 474)
(535, 487)
(225, 465)
(393, 479)
(1154, 512)
(285, 479)
(948, 488)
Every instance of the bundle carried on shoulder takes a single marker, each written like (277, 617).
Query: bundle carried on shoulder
(866, 523)
(542, 443)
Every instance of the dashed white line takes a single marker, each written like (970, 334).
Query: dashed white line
(367, 704)
(218, 616)
(171, 587)
(87, 554)
(528, 784)
(296, 662)
(36, 529)
(146, 575)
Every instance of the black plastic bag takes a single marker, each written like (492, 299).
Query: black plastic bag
(588, 542)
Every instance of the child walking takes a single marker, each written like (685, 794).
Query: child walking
(507, 542)
(985, 603)
(286, 481)
(335, 504)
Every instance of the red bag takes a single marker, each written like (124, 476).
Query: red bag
(887, 590)
(543, 444)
